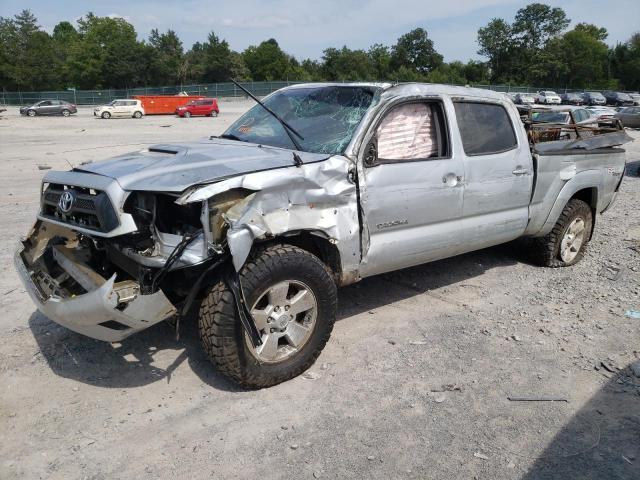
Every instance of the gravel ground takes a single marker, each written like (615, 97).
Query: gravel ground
(413, 383)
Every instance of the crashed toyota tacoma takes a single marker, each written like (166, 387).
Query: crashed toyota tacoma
(317, 187)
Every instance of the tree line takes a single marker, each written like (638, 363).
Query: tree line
(104, 52)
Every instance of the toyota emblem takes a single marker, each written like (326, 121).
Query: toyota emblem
(65, 203)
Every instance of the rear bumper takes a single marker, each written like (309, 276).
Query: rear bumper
(104, 313)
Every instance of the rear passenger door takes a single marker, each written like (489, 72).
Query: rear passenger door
(498, 174)
(411, 194)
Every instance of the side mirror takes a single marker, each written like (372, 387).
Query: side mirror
(371, 153)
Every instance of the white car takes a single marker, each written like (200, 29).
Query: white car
(548, 97)
(120, 108)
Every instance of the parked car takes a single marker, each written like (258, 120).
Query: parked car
(566, 115)
(49, 107)
(525, 99)
(618, 99)
(120, 108)
(206, 106)
(548, 97)
(259, 226)
(629, 116)
(636, 98)
(572, 99)
(602, 113)
(594, 98)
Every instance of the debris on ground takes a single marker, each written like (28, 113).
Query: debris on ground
(449, 387)
(481, 456)
(607, 367)
(632, 314)
(44, 167)
(439, 397)
(610, 272)
(311, 375)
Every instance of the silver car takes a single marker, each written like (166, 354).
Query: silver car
(316, 187)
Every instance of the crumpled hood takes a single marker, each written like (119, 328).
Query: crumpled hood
(175, 167)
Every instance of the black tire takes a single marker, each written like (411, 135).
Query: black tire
(137, 114)
(547, 249)
(187, 114)
(65, 113)
(223, 337)
(31, 113)
(106, 115)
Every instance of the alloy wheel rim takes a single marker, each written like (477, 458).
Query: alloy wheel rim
(572, 240)
(285, 315)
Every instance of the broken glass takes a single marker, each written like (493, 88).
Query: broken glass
(326, 117)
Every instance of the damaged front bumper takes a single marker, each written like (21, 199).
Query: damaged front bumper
(108, 310)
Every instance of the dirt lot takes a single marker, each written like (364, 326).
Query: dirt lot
(413, 384)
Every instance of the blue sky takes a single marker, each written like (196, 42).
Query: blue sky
(305, 27)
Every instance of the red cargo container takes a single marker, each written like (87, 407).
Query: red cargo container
(164, 104)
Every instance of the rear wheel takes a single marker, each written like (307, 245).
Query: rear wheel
(566, 243)
(137, 114)
(106, 115)
(292, 298)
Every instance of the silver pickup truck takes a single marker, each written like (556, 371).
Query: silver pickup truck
(317, 187)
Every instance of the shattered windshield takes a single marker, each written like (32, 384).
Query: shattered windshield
(326, 117)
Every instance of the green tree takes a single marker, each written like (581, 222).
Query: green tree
(380, 60)
(108, 54)
(536, 24)
(216, 60)
(28, 55)
(497, 44)
(345, 64)
(415, 50)
(166, 57)
(625, 63)
(65, 37)
(267, 61)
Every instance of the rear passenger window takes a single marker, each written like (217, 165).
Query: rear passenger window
(485, 128)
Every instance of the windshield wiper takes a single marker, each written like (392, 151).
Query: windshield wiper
(231, 136)
(287, 128)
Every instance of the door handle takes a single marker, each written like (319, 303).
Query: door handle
(520, 171)
(452, 180)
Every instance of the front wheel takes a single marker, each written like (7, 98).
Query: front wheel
(292, 298)
(106, 115)
(137, 114)
(31, 113)
(66, 113)
(566, 243)
(187, 114)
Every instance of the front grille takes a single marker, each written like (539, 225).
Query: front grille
(91, 209)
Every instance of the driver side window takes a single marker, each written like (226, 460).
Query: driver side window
(409, 132)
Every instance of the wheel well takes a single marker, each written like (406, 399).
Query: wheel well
(590, 197)
(317, 245)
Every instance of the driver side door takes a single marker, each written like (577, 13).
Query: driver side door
(412, 191)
